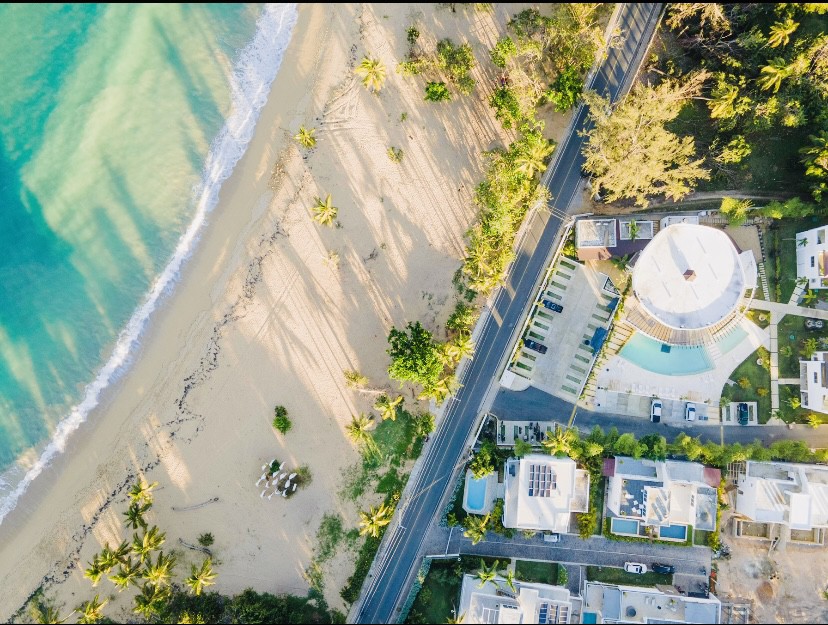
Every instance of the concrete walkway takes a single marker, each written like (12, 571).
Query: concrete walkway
(773, 329)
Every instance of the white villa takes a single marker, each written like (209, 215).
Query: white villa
(665, 497)
(609, 603)
(811, 256)
(813, 382)
(531, 603)
(690, 285)
(791, 497)
(543, 491)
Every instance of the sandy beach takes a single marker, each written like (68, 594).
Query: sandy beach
(261, 316)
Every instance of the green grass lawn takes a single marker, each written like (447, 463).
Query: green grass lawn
(397, 440)
(540, 572)
(759, 317)
(793, 326)
(611, 575)
(758, 377)
(781, 249)
(439, 594)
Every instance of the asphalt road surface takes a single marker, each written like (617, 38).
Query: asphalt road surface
(399, 555)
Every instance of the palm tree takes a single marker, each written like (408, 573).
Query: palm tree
(372, 72)
(802, 243)
(142, 492)
(121, 553)
(159, 574)
(533, 157)
(773, 74)
(592, 449)
(809, 297)
(127, 573)
(150, 600)
(809, 347)
(324, 213)
(149, 542)
(375, 519)
(387, 407)
(461, 347)
(43, 612)
(107, 560)
(94, 572)
(476, 527)
(621, 263)
(441, 389)
(487, 574)
(562, 441)
(305, 137)
(794, 402)
(200, 578)
(92, 611)
(359, 429)
(723, 101)
(354, 379)
(633, 226)
(135, 515)
(456, 619)
(814, 421)
(780, 32)
(509, 576)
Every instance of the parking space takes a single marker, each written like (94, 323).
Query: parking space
(730, 413)
(586, 304)
(633, 405)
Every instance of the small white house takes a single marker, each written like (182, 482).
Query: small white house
(812, 257)
(813, 382)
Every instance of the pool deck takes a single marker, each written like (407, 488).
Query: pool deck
(624, 388)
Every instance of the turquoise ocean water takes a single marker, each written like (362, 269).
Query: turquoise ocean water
(117, 126)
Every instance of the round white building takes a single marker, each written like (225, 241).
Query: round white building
(689, 284)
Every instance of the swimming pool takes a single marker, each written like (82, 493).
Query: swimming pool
(650, 355)
(627, 527)
(476, 494)
(589, 617)
(732, 339)
(674, 532)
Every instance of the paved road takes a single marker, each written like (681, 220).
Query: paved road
(398, 558)
(689, 562)
(535, 405)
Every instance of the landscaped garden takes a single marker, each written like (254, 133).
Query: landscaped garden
(610, 575)
(796, 342)
(752, 383)
(533, 571)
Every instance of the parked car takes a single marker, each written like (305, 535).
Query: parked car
(814, 324)
(666, 569)
(538, 347)
(690, 412)
(743, 415)
(552, 306)
(655, 411)
(635, 567)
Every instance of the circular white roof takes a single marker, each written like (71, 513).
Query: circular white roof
(689, 276)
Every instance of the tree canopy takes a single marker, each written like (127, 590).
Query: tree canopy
(414, 356)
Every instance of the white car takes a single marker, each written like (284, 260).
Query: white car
(635, 567)
(655, 411)
(690, 412)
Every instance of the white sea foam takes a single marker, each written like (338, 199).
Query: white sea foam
(252, 77)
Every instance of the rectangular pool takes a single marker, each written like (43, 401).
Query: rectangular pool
(589, 617)
(476, 494)
(673, 532)
(627, 527)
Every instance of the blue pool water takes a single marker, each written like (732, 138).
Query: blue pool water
(732, 339)
(476, 494)
(673, 531)
(589, 617)
(647, 353)
(119, 123)
(623, 526)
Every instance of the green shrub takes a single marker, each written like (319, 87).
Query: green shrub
(564, 92)
(504, 49)
(206, 539)
(280, 420)
(437, 92)
(412, 34)
(506, 106)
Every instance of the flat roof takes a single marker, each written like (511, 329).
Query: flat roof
(596, 232)
(689, 276)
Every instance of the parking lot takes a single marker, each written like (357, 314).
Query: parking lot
(633, 405)
(586, 299)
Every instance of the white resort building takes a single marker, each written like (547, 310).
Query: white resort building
(609, 603)
(811, 257)
(779, 500)
(813, 382)
(543, 491)
(664, 498)
(528, 603)
(690, 285)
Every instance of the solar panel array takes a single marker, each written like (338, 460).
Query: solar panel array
(541, 480)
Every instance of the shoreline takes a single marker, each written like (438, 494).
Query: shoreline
(164, 324)
(261, 317)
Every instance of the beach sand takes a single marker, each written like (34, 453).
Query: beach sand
(261, 317)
